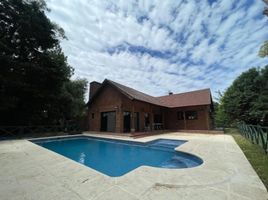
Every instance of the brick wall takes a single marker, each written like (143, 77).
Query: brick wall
(203, 122)
(93, 87)
(110, 99)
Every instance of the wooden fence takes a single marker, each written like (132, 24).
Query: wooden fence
(256, 134)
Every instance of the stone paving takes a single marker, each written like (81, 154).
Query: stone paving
(28, 171)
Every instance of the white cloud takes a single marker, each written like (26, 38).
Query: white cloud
(165, 45)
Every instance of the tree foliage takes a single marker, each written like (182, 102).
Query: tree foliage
(221, 120)
(246, 99)
(72, 99)
(34, 70)
(263, 52)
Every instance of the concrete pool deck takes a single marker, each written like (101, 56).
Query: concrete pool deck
(28, 171)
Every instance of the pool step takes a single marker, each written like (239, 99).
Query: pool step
(166, 143)
(163, 146)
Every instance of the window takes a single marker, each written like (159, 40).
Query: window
(157, 118)
(180, 115)
(92, 115)
(126, 113)
(147, 119)
(190, 115)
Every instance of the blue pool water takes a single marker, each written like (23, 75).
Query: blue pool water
(116, 158)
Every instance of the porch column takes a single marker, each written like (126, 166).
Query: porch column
(151, 118)
(120, 118)
(132, 119)
(163, 118)
(184, 120)
(207, 113)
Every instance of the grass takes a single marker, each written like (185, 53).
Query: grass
(254, 153)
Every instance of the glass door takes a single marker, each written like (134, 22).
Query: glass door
(127, 117)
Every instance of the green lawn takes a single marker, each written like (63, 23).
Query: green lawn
(254, 153)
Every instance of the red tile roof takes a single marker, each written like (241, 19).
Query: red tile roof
(193, 98)
(135, 94)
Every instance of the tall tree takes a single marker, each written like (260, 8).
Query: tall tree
(71, 100)
(246, 99)
(263, 52)
(259, 110)
(34, 70)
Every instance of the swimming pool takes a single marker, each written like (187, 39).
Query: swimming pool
(116, 157)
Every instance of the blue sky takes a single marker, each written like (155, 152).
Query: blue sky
(159, 46)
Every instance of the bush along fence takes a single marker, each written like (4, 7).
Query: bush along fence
(256, 134)
(20, 131)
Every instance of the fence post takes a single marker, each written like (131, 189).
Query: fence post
(266, 144)
(254, 134)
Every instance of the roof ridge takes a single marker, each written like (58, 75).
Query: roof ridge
(184, 92)
(130, 88)
(135, 94)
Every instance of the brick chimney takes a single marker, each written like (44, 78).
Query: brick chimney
(93, 87)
